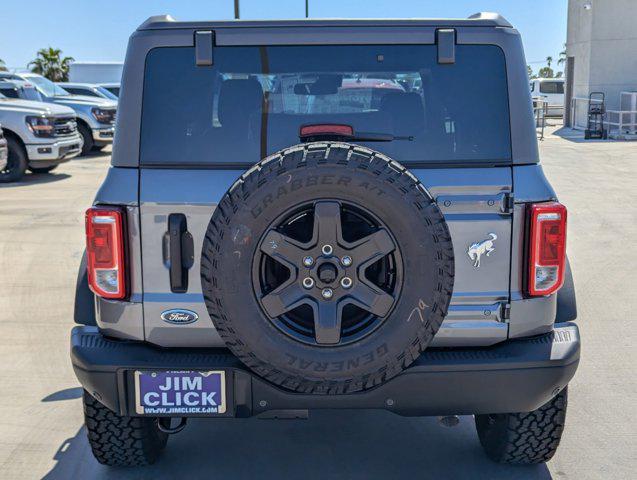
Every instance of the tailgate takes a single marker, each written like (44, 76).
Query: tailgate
(475, 202)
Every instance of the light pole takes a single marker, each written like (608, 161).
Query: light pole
(307, 8)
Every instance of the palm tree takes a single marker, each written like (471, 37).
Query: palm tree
(3, 66)
(546, 72)
(562, 56)
(549, 59)
(50, 64)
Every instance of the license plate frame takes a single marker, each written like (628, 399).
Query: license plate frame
(143, 379)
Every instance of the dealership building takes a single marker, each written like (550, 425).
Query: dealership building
(601, 49)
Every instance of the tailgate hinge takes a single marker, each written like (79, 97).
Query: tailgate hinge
(508, 203)
(506, 312)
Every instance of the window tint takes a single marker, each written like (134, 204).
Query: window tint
(113, 90)
(551, 87)
(10, 92)
(81, 91)
(254, 100)
(106, 93)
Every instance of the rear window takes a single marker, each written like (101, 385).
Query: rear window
(254, 100)
(551, 87)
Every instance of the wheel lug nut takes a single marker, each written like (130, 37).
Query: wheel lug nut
(308, 282)
(327, 250)
(327, 293)
(346, 282)
(308, 261)
(346, 261)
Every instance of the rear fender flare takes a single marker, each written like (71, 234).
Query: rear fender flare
(84, 309)
(566, 301)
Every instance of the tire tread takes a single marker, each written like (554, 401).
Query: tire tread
(527, 437)
(120, 440)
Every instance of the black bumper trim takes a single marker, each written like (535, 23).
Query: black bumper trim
(513, 376)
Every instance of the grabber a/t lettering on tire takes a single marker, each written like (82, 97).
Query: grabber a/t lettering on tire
(327, 268)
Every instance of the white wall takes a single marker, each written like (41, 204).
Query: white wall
(86, 72)
(603, 40)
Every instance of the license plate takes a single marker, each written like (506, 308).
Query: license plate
(180, 392)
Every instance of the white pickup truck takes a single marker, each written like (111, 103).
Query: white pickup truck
(39, 136)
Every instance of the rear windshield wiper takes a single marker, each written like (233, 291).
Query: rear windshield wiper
(379, 137)
(311, 133)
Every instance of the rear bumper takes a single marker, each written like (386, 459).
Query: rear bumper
(514, 376)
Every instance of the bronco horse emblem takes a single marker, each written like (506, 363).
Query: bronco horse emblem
(478, 249)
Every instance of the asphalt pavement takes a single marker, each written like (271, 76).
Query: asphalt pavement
(41, 432)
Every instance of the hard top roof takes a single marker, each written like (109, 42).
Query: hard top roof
(482, 19)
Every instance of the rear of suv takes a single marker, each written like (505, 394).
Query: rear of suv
(326, 214)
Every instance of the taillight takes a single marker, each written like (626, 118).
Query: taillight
(105, 251)
(547, 248)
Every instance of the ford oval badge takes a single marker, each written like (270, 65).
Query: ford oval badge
(179, 316)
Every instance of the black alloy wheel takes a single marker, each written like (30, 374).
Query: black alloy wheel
(327, 273)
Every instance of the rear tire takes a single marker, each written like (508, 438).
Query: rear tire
(524, 438)
(16, 163)
(87, 136)
(42, 169)
(121, 441)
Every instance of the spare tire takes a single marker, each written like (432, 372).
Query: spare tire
(327, 268)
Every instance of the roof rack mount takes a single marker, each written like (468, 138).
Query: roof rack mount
(495, 17)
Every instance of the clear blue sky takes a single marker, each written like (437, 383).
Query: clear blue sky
(91, 30)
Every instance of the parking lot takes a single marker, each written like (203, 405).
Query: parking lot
(41, 434)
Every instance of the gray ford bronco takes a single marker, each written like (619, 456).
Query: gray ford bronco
(325, 214)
